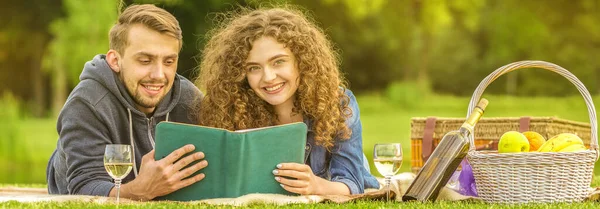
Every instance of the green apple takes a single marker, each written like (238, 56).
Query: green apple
(513, 141)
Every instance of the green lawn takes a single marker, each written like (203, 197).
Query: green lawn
(28, 157)
(382, 121)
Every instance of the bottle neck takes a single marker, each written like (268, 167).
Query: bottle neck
(469, 124)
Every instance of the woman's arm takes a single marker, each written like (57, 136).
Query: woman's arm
(346, 165)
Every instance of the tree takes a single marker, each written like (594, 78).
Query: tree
(77, 37)
(23, 39)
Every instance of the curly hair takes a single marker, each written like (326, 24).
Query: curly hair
(230, 103)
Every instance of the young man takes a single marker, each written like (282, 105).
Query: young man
(121, 97)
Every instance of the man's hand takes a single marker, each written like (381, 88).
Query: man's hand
(158, 178)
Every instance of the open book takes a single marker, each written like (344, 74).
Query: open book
(239, 162)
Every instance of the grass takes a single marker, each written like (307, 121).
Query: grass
(382, 120)
(29, 156)
(24, 185)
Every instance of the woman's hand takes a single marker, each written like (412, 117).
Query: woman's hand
(298, 178)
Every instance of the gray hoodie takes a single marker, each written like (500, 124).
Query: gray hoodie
(99, 111)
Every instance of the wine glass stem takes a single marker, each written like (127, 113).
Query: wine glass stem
(118, 186)
(388, 179)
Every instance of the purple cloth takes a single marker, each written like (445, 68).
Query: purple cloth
(466, 180)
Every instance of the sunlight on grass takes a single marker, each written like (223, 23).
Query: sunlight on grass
(30, 153)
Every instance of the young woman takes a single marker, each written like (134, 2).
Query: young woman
(274, 66)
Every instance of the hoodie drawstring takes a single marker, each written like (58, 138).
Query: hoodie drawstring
(135, 172)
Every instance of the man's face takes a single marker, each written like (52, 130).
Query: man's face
(148, 66)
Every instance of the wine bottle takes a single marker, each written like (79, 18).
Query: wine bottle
(444, 160)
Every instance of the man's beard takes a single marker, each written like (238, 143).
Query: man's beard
(146, 103)
(137, 96)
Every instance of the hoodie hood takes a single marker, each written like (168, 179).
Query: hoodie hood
(100, 111)
(99, 71)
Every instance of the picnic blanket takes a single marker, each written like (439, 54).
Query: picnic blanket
(399, 185)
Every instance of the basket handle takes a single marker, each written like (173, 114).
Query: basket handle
(547, 66)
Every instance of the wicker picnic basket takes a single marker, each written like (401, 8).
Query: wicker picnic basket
(534, 176)
(426, 132)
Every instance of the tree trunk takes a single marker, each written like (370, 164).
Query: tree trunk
(423, 76)
(59, 86)
(424, 37)
(38, 106)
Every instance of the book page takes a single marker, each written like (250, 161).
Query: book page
(251, 129)
(266, 127)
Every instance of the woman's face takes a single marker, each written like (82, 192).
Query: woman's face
(272, 72)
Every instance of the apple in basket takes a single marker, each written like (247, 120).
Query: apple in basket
(513, 141)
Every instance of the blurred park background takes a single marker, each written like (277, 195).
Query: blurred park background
(403, 58)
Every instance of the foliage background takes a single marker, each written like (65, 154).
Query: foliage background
(400, 56)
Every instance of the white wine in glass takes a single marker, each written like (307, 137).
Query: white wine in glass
(118, 170)
(387, 159)
(118, 163)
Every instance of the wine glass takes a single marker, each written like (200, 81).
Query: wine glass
(388, 159)
(118, 163)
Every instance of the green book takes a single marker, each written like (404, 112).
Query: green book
(239, 162)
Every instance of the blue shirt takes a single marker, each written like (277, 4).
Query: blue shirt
(346, 161)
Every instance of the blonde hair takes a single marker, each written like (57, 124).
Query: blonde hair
(229, 101)
(148, 15)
